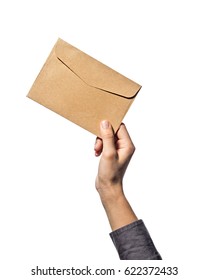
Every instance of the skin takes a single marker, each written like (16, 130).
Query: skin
(115, 151)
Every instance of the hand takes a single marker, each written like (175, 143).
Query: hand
(117, 151)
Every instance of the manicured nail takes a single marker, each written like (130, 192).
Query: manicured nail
(105, 124)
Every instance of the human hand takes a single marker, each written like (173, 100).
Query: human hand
(117, 151)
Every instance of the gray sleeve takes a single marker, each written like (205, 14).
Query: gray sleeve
(133, 242)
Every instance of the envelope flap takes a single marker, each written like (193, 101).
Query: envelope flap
(93, 72)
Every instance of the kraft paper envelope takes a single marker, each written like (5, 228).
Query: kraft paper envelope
(82, 89)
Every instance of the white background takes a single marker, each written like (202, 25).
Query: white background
(51, 214)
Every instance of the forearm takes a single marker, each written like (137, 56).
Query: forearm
(118, 210)
(129, 235)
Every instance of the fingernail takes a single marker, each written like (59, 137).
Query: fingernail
(105, 124)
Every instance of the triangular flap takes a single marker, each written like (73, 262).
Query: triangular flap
(93, 72)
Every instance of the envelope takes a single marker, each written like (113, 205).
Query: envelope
(82, 89)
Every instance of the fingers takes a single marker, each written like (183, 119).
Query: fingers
(124, 139)
(122, 133)
(110, 142)
(98, 146)
(108, 138)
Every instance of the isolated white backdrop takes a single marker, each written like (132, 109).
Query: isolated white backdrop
(50, 211)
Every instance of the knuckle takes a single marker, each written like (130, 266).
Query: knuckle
(131, 149)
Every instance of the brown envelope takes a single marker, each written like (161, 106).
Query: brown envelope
(82, 89)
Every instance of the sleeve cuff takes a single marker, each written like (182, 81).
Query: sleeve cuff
(133, 242)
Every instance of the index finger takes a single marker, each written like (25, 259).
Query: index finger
(122, 133)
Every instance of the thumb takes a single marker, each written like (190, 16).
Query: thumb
(108, 138)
